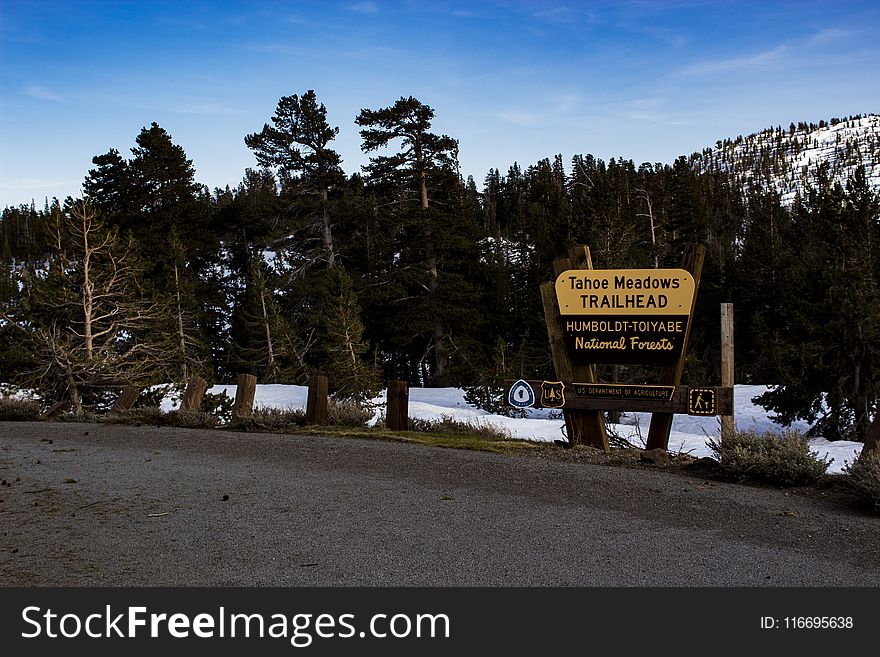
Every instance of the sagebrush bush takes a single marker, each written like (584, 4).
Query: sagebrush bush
(270, 419)
(192, 419)
(784, 459)
(18, 410)
(139, 415)
(155, 416)
(448, 425)
(87, 416)
(864, 479)
(348, 413)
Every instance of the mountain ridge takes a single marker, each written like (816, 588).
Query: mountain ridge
(787, 159)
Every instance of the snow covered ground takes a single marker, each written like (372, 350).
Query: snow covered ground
(689, 434)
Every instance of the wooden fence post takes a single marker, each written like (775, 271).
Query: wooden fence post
(397, 408)
(192, 396)
(728, 425)
(872, 438)
(126, 400)
(245, 390)
(57, 409)
(316, 405)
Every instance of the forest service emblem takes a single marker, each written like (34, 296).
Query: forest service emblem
(552, 394)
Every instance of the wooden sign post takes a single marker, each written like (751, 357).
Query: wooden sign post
(661, 423)
(727, 370)
(584, 427)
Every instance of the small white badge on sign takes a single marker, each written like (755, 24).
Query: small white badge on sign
(521, 395)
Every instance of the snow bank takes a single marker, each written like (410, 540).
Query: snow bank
(689, 434)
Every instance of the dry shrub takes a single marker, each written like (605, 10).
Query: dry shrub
(782, 459)
(864, 479)
(18, 410)
(270, 419)
(155, 416)
(348, 413)
(139, 415)
(448, 425)
(192, 419)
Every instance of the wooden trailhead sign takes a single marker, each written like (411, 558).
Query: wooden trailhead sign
(626, 316)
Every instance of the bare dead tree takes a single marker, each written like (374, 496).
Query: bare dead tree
(88, 323)
(643, 195)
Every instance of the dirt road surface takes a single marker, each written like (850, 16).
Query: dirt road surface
(111, 505)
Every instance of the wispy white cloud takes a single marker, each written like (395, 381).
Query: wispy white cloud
(830, 34)
(207, 109)
(37, 91)
(653, 117)
(35, 183)
(555, 14)
(648, 110)
(558, 108)
(565, 103)
(363, 7)
(521, 118)
(758, 60)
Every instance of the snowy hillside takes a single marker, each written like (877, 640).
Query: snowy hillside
(785, 158)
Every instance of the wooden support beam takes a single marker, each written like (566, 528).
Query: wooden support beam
(661, 423)
(317, 403)
(678, 400)
(193, 395)
(397, 407)
(584, 427)
(245, 391)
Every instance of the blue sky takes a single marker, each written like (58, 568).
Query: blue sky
(513, 80)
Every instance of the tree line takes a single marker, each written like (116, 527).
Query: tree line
(407, 270)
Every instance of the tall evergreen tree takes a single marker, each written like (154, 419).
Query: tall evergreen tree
(265, 344)
(422, 152)
(178, 325)
(297, 146)
(833, 376)
(424, 162)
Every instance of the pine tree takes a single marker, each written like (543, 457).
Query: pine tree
(422, 152)
(265, 344)
(833, 310)
(168, 197)
(424, 163)
(187, 349)
(297, 145)
(110, 189)
(345, 348)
